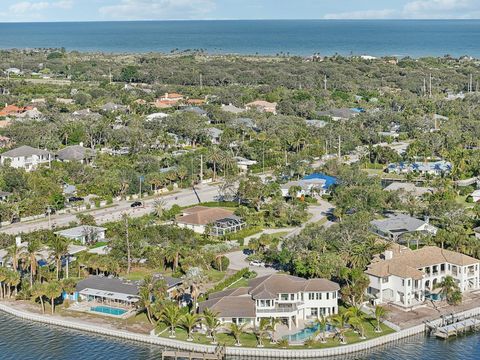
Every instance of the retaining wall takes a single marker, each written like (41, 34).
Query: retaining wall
(233, 351)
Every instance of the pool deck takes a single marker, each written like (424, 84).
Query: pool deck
(86, 307)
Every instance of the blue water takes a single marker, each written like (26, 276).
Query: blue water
(108, 310)
(26, 340)
(300, 37)
(306, 333)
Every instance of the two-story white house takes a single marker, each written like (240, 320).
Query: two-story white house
(407, 278)
(26, 157)
(288, 298)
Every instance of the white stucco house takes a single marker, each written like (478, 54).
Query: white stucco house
(26, 157)
(288, 298)
(407, 278)
(84, 234)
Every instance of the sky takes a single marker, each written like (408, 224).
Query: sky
(116, 10)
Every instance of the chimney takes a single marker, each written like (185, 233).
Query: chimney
(18, 240)
(388, 254)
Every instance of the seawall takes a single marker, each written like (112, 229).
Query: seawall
(231, 351)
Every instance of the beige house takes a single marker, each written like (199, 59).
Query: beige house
(262, 106)
(215, 220)
(288, 298)
(407, 278)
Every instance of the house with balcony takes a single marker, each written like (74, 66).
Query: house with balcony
(26, 157)
(290, 299)
(407, 278)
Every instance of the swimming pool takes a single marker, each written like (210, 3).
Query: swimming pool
(306, 333)
(108, 310)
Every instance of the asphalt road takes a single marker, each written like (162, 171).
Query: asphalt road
(238, 261)
(185, 197)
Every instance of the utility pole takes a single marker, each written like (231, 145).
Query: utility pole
(110, 74)
(201, 81)
(128, 243)
(424, 87)
(471, 83)
(339, 147)
(201, 169)
(325, 82)
(430, 85)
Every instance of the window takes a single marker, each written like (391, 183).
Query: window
(292, 296)
(334, 295)
(409, 282)
(328, 295)
(283, 296)
(442, 267)
(403, 282)
(311, 296)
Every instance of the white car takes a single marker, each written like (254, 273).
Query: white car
(257, 263)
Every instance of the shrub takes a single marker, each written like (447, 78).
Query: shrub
(221, 264)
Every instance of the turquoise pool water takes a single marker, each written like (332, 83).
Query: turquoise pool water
(306, 333)
(108, 310)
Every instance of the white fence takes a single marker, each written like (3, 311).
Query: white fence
(233, 351)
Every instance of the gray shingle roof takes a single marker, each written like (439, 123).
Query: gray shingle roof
(107, 284)
(74, 153)
(25, 151)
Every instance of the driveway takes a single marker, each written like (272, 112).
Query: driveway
(238, 261)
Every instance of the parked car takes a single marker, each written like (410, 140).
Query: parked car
(136, 204)
(257, 263)
(75, 198)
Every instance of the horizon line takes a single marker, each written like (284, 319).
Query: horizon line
(259, 19)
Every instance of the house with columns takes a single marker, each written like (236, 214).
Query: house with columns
(407, 278)
(291, 299)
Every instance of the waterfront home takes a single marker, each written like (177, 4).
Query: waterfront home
(216, 221)
(437, 168)
(407, 278)
(288, 298)
(106, 290)
(85, 234)
(409, 189)
(75, 153)
(396, 225)
(262, 106)
(25, 157)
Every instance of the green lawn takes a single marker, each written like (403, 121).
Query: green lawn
(249, 340)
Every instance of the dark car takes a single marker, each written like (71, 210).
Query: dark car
(136, 204)
(75, 198)
(15, 220)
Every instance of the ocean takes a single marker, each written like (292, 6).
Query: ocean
(414, 38)
(21, 339)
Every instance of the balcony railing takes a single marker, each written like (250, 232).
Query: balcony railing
(278, 309)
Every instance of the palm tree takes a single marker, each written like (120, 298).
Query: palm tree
(38, 292)
(212, 323)
(53, 290)
(322, 323)
(214, 156)
(356, 318)
(173, 252)
(380, 314)
(29, 256)
(188, 322)
(262, 330)
(450, 291)
(59, 249)
(273, 327)
(171, 317)
(146, 302)
(13, 254)
(3, 277)
(236, 331)
(340, 322)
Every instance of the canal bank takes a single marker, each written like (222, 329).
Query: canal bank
(231, 351)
